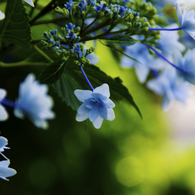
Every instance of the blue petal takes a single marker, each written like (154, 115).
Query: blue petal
(103, 89)
(83, 109)
(82, 94)
(93, 114)
(98, 122)
(110, 114)
(82, 117)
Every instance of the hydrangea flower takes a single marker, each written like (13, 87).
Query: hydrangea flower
(140, 53)
(3, 143)
(186, 20)
(3, 112)
(5, 171)
(186, 64)
(167, 85)
(96, 105)
(168, 43)
(33, 102)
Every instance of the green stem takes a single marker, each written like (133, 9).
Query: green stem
(49, 21)
(22, 63)
(32, 9)
(45, 10)
(43, 53)
(88, 26)
(101, 25)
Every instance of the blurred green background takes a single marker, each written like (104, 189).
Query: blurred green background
(127, 156)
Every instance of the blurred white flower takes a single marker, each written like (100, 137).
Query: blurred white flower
(34, 103)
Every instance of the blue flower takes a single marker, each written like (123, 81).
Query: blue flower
(140, 53)
(5, 171)
(167, 85)
(169, 44)
(33, 102)
(69, 4)
(3, 143)
(3, 112)
(82, 5)
(96, 105)
(186, 20)
(186, 64)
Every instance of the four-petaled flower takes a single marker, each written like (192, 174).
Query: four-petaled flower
(96, 105)
(34, 102)
(5, 171)
(186, 20)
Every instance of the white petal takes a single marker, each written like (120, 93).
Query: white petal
(110, 114)
(29, 2)
(3, 114)
(98, 122)
(82, 117)
(142, 72)
(103, 89)
(2, 15)
(82, 94)
(179, 13)
(2, 93)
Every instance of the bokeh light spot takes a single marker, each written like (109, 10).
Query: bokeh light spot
(130, 172)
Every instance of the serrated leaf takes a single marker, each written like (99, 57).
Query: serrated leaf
(16, 29)
(122, 40)
(119, 50)
(73, 79)
(52, 72)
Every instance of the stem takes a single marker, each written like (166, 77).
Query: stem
(42, 12)
(101, 25)
(8, 103)
(164, 58)
(49, 21)
(165, 29)
(4, 156)
(43, 53)
(32, 9)
(89, 26)
(22, 63)
(83, 72)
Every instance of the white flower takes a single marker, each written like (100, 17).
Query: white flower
(29, 2)
(34, 102)
(3, 112)
(96, 105)
(186, 20)
(5, 171)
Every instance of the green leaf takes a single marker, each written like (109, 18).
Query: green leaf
(119, 50)
(122, 40)
(52, 72)
(73, 79)
(16, 29)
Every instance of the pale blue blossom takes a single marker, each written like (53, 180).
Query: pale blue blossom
(3, 112)
(96, 105)
(167, 85)
(141, 54)
(187, 65)
(33, 102)
(168, 43)
(3, 143)
(186, 20)
(5, 171)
